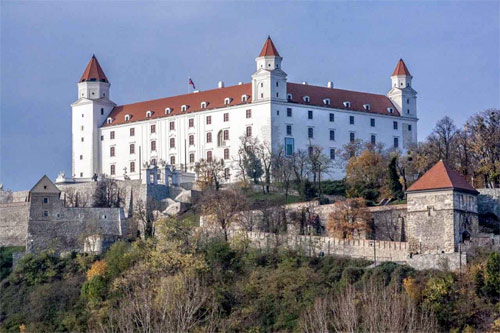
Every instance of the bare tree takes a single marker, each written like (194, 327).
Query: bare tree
(301, 165)
(283, 170)
(265, 154)
(222, 207)
(444, 134)
(210, 173)
(320, 164)
(107, 194)
(349, 219)
(145, 214)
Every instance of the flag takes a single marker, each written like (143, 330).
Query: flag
(191, 83)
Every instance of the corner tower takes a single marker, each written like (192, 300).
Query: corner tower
(402, 94)
(269, 81)
(88, 114)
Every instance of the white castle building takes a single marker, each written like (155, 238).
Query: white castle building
(121, 140)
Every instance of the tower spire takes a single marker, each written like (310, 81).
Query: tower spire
(94, 72)
(401, 69)
(269, 50)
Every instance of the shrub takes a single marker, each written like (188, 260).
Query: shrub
(94, 290)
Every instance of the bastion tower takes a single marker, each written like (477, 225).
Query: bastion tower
(88, 114)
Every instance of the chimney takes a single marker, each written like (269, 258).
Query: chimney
(240, 83)
(221, 84)
(304, 83)
(330, 84)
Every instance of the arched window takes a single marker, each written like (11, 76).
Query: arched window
(168, 110)
(326, 101)
(109, 120)
(366, 107)
(203, 105)
(184, 108)
(244, 98)
(227, 101)
(289, 97)
(306, 99)
(347, 104)
(149, 114)
(127, 117)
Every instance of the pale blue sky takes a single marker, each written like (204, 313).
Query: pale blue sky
(148, 49)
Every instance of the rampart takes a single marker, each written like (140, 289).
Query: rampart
(13, 223)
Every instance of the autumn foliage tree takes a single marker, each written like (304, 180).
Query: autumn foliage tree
(349, 219)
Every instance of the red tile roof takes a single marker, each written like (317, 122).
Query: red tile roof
(441, 176)
(94, 72)
(215, 99)
(401, 69)
(269, 49)
(378, 103)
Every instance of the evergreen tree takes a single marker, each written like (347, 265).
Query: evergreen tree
(394, 183)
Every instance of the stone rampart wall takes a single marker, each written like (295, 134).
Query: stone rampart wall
(488, 201)
(13, 223)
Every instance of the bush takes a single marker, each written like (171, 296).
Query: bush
(6, 259)
(94, 290)
(333, 187)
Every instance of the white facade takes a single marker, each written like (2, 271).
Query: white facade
(103, 141)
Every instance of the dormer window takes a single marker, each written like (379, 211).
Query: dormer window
(168, 110)
(347, 104)
(390, 110)
(227, 101)
(184, 108)
(127, 117)
(366, 107)
(109, 120)
(306, 99)
(244, 98)
(326, 101)
(149, 114)
(289, 97)
(203, 105)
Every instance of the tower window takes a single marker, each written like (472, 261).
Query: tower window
(82, 139)
(112, 170)
(112, 151)
(409, 127)
(226, 153)
(261, 95)
(102, 111)
(226, 116)
(332, 117)
(408, 111)
(351, 120)
(191, 158)
(191, 140)
(191, 122)
(172, 142)
(112, 135)
(332, 153)
(153, 128)
(288, 129)
(132, 131)
(249, 114)
(249, 131)
(352, 136)
(132, 166)
(372, 122)
(288, 112)
(373, 139)
(153, 145)
(309, 114)
(396, 142)
(262, 85)
(407, 101)
(132, 148)
(172, 125)
(209, 120)
(83, 115)
(310, 132)
(209, 156)
(209, 137)
(81, 157)
(277, 84)
(395, 125)
(332, 135)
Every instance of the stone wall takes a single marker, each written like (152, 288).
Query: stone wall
(488, 201)
(13, 223)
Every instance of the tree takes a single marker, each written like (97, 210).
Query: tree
(250, 158)
(107, 194)
(222, 207)
(210, 173)
(146, 213)
(366, 176)
(300, 164)
(394, 183)
(265, 155)
(283, 170)
(349, 219)
(320, 164)
(444, 134)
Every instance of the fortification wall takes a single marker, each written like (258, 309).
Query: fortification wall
(488, 201)
(14, 223)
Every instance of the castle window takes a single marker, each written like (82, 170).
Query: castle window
(153, 145)
(209, 137)
(289, 97)
(262, 85)
(332, 153)
(148, 114)
(226, 135)
(132, 148)
(226, 173)
(244, 98)
(112, 135)
(352, 137)
(277, 94)
(390, 110)
(409, 127)
(309, 114)
(209, 156)
(82, 139)
(191, 158)
(203, 105)
(347, 104)
(249, 131)
(172, 142)
(191, 122)
(168, 110)
(366, 107)
(109, 120)
(172, 160)
(226, 116)
(351, 120)
(373, 139)
(102, 137)
(248, 113)
(288, 129)
(81, 157)
(153, 128)
(326, 101)
(226, 153)
(306, 99)
(132, 167)
(112, 151)
(82, 128)
(396, 142)
(395, 125)
(81, 174)
(288, 112)
(102, 111)
(209, 120)
(46, 213)
(127, 117)
(227, 101)
(112, 169)
(277, 84)
(172, 125)
(408, 111)
(191, 140)
(45, 200)
(407, 101)
(372, 122)
(132, 131)
(83, 116)
(261, 95)
(332, 117)
(184, 108)
(332, 135)
(310, 132)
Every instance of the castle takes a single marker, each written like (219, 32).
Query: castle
(124, 141)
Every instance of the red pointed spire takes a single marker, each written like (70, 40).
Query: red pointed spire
(269, 49)
(401, 69)
(441, 176)
(94, 72)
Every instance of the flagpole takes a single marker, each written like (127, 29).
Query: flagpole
(188, 83)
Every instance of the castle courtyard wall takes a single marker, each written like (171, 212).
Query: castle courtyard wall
(13, 223)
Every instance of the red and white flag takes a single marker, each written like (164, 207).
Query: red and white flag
(191, 83)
